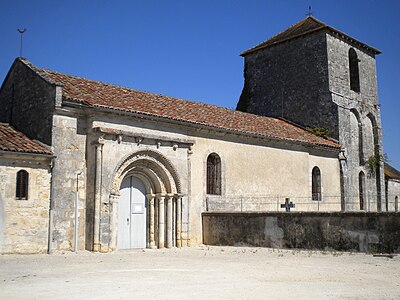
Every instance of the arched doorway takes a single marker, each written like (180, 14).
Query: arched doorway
(146, 203)
(132, 212)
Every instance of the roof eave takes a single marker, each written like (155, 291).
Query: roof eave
(198, 125)
(34, 154)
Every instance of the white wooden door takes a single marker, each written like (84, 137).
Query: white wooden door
(132, 214)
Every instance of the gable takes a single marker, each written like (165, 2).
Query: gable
(306, 26)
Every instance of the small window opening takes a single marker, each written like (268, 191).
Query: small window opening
(22, 185)
(316, 184)
(396, 203)
(354, 71)
(213, 174)
(361, 190)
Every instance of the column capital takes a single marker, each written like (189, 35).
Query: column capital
(99, 142)
(150, 196)
(113, 198)
(178, 195)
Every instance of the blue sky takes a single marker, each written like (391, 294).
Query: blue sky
(190, 49)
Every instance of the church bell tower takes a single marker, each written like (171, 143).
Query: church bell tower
(321, 78)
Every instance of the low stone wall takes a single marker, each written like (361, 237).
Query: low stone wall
(358, 232)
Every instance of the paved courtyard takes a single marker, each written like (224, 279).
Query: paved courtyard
(200, 273)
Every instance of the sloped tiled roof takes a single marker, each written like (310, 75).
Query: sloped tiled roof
(305, 26)
(391, 172)
(15, 141)
(98, 94)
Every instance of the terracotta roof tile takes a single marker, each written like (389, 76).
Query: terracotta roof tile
(305, 26)
(391, 172)
(99, 94)
(15, 141)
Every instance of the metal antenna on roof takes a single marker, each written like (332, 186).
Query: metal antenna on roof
(309, 13)
(21, 31)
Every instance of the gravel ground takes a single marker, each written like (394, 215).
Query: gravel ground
(200, 273)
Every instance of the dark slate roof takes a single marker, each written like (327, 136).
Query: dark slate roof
(14, 141)
(391, 172)
(103, 95)
(305, 26)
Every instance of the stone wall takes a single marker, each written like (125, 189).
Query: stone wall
(393, 191)
(290, 80)
(112, 139)
(27, 102)
(360, 131)
(258, 175)
(251, 168)
(357, 231)
(69, 142)
(307, 81)
(24, 223)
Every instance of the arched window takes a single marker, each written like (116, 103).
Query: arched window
(22, 184)
(213, 174)
(361, 190)
(396, 203)
(353, 70)
(316, 184)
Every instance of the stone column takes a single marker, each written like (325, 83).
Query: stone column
(97, 195)
(152, 242)
(178, 221)
(161, 222)
(169, 221)
(113, 221)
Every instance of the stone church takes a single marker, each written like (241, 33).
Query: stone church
(109, 167)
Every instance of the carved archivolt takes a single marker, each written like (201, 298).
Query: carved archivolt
(153, 168)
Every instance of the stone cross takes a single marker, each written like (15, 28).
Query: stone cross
(287, 205)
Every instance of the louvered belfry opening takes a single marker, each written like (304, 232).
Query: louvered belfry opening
(213, 174)
(22, 183)
(354, 71)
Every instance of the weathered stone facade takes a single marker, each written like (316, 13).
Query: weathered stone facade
(24, 224)
(349, 231)
(69, 146)
(306, 79)
(393, 195)
(27, 102)
(96, 148)
(102, 134)
(392, 188)
(291, 81)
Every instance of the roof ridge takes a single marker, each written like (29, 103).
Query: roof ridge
(149, 93)
(299, 23)
(289, 33)
(140, 91)
(37, 70)
(99, 94)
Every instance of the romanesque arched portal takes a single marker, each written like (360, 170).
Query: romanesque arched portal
(163, 200)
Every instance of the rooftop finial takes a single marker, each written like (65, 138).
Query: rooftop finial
(21, 31)
(309, 12)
